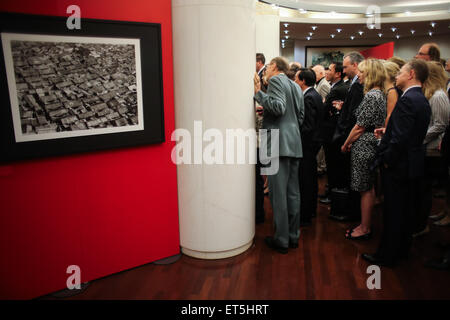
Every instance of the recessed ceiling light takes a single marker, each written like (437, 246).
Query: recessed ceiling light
(393, 29)
(286, 25)
(286, 31)
(430, 33)
(360, 32)
(332, 35)
(371, 26)
(287, 37)
(380, 35)
(412, 31)
(314, 28)
(397, 36)
(352, 37)
(308, 38)
(433, 24)
(311, 33)
(339, 30)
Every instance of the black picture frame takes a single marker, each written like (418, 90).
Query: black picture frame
(149, 36)
(326, 49)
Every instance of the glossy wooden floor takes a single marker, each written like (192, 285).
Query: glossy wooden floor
(325, 266)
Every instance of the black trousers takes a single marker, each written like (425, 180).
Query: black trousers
(339, 177)
(308, 183)
(259, 192)
(402, 197)
(433, 170)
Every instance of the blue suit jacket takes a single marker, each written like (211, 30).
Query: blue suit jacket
(402, 146)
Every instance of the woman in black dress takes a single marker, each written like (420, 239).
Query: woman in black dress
(362, 143)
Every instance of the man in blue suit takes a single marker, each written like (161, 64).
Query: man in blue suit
(284, 111)
(401, 157)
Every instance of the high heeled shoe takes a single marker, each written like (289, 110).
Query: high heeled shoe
(365, 236)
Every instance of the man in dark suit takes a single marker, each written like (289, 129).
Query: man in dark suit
(283, 116)
(314, 110)
(401, 156)
(261, 69)
(345, 123)
(338, 92)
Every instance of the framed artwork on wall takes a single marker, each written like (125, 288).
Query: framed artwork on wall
(67, 91)
(326, 55)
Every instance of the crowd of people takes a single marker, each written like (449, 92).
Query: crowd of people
(382, 126)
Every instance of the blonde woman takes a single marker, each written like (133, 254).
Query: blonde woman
(391, 91)
(361, 141)
(434, 90)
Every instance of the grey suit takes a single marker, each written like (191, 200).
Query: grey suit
(323, 87)
(284, 110)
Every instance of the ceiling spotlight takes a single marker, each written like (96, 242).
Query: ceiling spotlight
(286, 25)
(352, 37)
(371, 26)
(360, 32)
(393, 29)
(314, 28)
(380, 35)
(430, 33)
(332, 35)
(287, 37)
(412, 31)
(286, 31)
(339, 30)
(308, 38)
(283, 40)
(433, 24)
(311, 33)
(397, 36)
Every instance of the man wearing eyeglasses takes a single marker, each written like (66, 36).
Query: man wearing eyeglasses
(429, 52)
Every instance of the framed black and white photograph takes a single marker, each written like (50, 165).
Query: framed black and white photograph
(66, 91)
(326, 55)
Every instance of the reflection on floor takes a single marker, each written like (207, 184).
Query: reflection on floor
(325, 266)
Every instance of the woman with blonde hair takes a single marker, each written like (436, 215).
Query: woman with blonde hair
(362, 144)
(391, 91)
(434, 89)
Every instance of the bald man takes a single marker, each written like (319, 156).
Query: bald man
(322, 85)
(429, 52)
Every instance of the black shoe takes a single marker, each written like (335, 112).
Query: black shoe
(326, 200)
(293, 245)
(441, 264)
(270, 242)
(305, 223)
(375, 259)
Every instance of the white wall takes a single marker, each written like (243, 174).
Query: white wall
(268, 36)
(407, 48)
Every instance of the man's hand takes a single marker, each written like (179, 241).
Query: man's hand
(379, 132)
(257, 83)
(259, 109)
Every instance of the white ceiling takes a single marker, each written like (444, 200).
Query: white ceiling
(360, 6)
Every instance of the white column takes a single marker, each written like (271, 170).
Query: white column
(268, 35)
(214, 63)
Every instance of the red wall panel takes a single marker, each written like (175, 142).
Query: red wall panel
(383, 51)
(106, 211)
